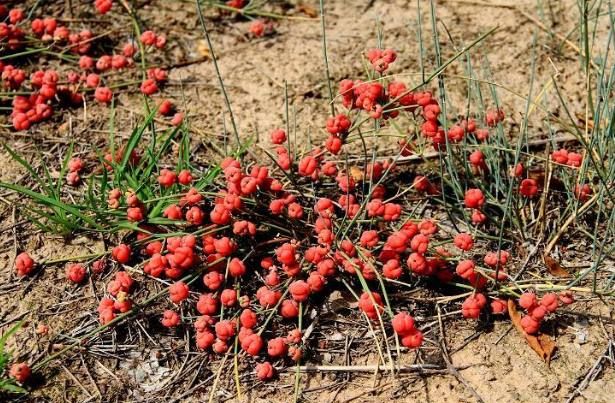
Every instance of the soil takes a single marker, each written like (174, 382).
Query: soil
(493, 364)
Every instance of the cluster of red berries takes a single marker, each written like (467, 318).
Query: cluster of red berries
(381, 58)
(475, 303)
(403, 325)
(348, 226)
(48, 89)
(537, 310)
(119, 290)
(582, 191)
(382, 101)
(565, 157)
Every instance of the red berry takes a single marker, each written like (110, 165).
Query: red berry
(474, 198)
(20, 372)
(403, 323)
(121, 253)
(178, 292)
(24, 265)
(170, 318)
(528, 300)
(264, 371)
(277, 347)
(75, 273)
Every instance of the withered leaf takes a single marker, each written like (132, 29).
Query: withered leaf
(554, 267)
(542, 344)
(307, 10)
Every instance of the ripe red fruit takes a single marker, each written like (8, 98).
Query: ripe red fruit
(225, 246)
(244, 228)
(549, 301)
(371, 308)
(122, 283)
(478, 217)
(413, 339)
(173, 212)
(16, 15)
(252, 344)
(170, 318)
(207, 304)
(392, 269)
(195, 215)
(161, 41)
(566, 297)
(167, 178)
(474, 198)
(294, 337)
(528, 187)
(103, 94)
(295, 210)
(472, 306)
(75, 273)
(148, 38)
(560, 156)
(264, 371)
(277, 347)
(316, 282)
(75, 165)
(530, 325)
(149, 87)
(419, 243)
(236, 267)
(225, 329)
(499, 306)
(103, 6)
(205, 339)
(574, 160)
(248, 318)
(369, 238)
(178, 292)
(491, 258)
(582, 192)
(184, 177)
(333, 144)
(86, 63)
(257, 28)
(178, 118)
(418, 264)
(403, 323)
(338, 125)
(220, 346)
(20, 371)
(166, 108)
(493, 117)
(228, 297)
(220, 215)
(24, 265)
(528, 300)
(121, 253)
(465, 269)
(278, 136)
(289, 309)
(464, 241)
(134, 214)
(538, 312)
(300, 290)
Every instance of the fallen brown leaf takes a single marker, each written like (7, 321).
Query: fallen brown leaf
(542, 344)
(356, 173)
(554, 267)
(307, 10)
